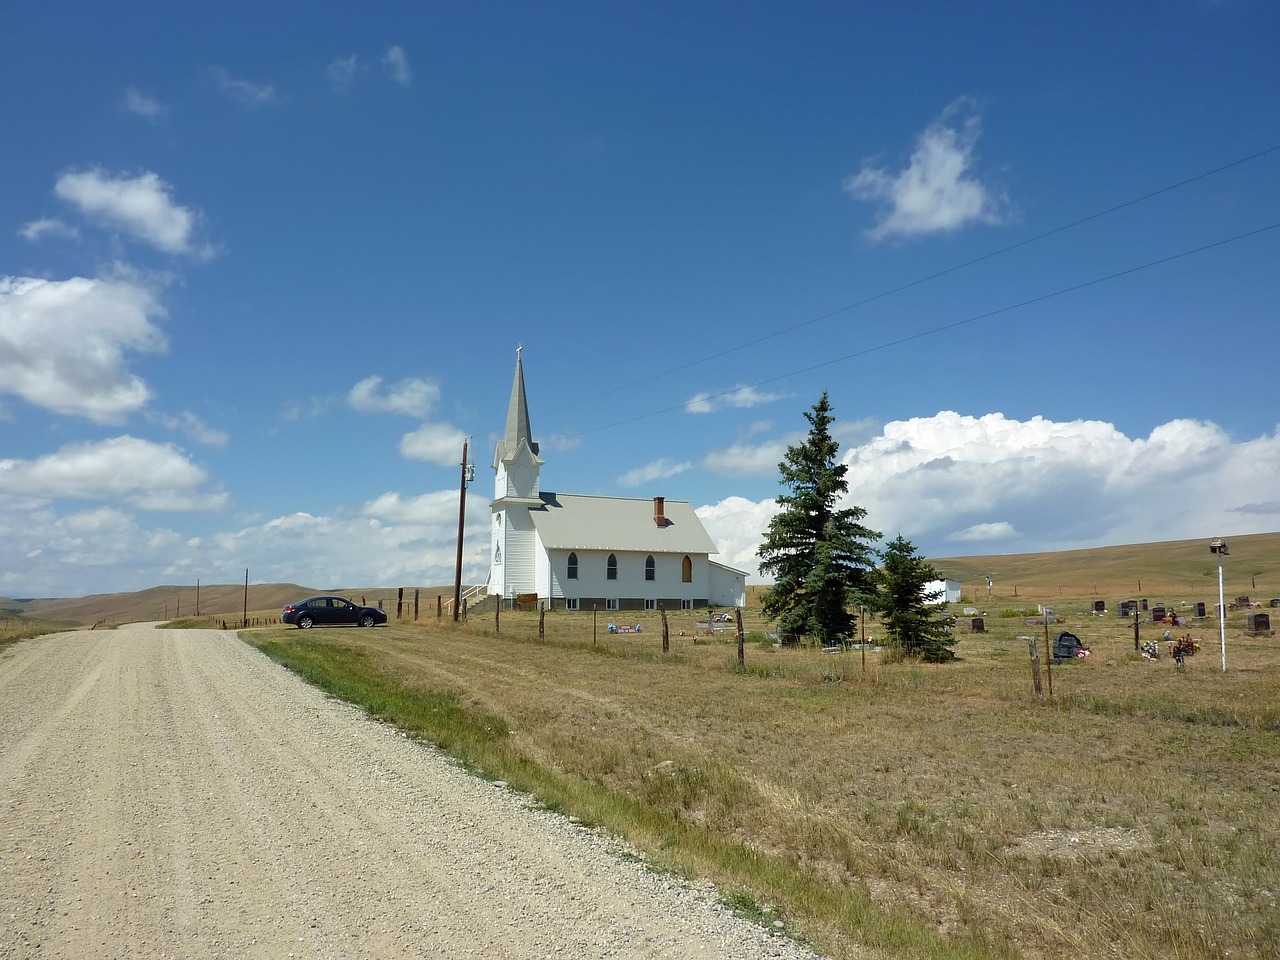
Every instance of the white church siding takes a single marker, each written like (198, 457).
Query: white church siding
(728, 586)
(521, 475)
(519, 570)
(593, 586)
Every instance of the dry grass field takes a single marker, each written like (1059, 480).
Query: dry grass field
(880, 808)
(891, 809)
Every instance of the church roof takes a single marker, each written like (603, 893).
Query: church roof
(517, 428)
(569, 521)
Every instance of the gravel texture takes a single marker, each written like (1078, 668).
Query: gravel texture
(174, 793)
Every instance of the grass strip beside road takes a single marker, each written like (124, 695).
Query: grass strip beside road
(670, 839)
(13, 629)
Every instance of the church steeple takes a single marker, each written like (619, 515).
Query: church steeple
(516, 459)
(517, 416)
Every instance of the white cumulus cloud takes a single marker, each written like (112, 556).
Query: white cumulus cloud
(396, 63)
(248, 92)
(750, 459)
(342, 72)
(742, 398)
(63, 344)
(139, 473)
(141, 206)
(194, 428)
(937, 191)
(429, 508)
(1036, 484)
(48, 227)
(982, 532)
(413, 397)
(435, 443)
(135, 101)
(657, 470)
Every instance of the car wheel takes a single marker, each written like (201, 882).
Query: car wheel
(304, 623)
(366, 620)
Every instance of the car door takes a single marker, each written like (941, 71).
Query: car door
(320, 611)
(341, 611)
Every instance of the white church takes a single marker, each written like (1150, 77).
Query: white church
(578, 552)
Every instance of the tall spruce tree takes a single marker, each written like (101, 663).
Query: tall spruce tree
(912, 620)
(820, 554)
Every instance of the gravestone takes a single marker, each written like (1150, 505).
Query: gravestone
(1143, 601)
(1258, 625)
(1200, 610)
(1099, 606)
(1157, 613)
(1127, 609)
(978, 625)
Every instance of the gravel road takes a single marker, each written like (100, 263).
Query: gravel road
(173, 793)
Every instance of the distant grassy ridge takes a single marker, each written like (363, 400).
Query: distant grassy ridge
(1181, 570)
(223, 601)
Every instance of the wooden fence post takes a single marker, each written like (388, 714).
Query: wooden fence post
(1048, 652)
(542, 624)
(742, 654)
(415, 604)
(497, 625)
(400, 603)
(439, 605)
(666, 634)
(1035, 665)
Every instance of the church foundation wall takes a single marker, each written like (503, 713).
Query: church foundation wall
(670, 604)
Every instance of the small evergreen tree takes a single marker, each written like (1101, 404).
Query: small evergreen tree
(912, 620)
(819, 553)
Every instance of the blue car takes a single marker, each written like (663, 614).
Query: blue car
(331, 611)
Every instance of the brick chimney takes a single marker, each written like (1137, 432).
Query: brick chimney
(659, 514)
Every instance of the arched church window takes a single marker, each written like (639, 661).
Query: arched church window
(686, 570)
(572, 572)
(611, 568)
(650, 568)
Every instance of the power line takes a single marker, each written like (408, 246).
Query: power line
(942, 328)
(922, 280)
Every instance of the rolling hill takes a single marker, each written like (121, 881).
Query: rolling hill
(1178, 570)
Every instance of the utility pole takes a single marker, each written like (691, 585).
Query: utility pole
(246, 597)
(462, 516)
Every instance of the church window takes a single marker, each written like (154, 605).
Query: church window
(571, 603)
(686, 604)
(649, 568)
(611, 568)
(686, 570)
(497, 553)
(572, 571)
(651, 604)
(611, 604)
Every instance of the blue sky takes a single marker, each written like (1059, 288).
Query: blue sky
(260, 274)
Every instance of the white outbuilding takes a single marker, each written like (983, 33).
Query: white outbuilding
(578, 552)
(943, 591)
